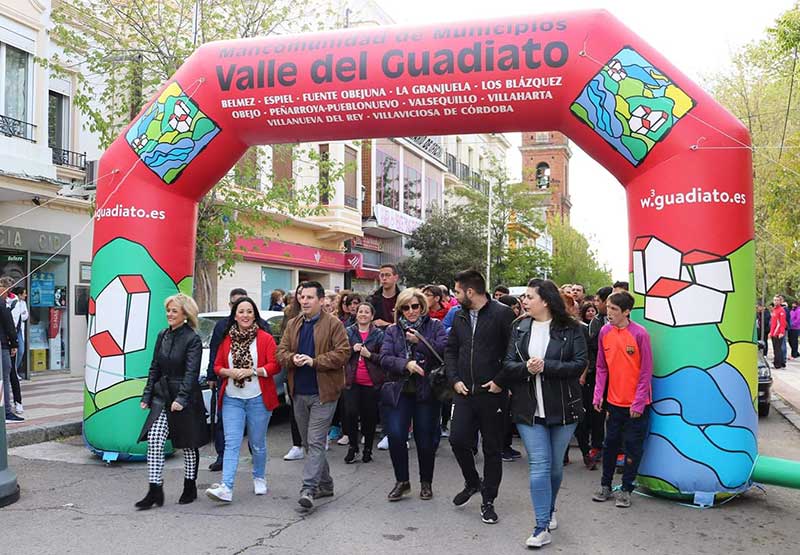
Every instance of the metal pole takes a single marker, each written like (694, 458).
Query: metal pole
(9, 490)
(489, 241)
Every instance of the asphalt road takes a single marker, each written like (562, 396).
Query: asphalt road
(73, 503)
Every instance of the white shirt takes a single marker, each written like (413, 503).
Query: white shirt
(251, 388)
(537, 347)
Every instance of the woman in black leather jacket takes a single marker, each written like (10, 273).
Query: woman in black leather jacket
(545, 358)
(173, 396)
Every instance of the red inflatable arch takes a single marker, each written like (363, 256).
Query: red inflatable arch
(585, 74)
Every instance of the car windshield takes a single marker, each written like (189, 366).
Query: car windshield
(206, 328)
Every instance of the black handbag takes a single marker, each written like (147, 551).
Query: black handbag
(440, 385)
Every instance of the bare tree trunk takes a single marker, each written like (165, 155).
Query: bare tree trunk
(205, 285)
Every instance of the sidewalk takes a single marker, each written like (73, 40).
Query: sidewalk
(786, 385)
(53, 408)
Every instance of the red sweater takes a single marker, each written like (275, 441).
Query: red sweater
(777, 326)
(265, 347)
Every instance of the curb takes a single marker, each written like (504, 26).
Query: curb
(40, 434)
(786, 410)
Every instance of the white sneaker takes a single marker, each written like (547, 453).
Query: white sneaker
(294, 454)
(553, 523)
(344, 440)
(260, 486)
(540, 539)
(383, 444)
(18, 408)
(220, 492)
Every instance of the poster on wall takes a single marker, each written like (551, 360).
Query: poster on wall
(14, 266)
(43, 289)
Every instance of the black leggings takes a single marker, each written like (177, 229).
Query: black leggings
(361, 407)
(14, 379)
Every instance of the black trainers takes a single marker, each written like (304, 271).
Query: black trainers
(463, 496)
(216, 466)
(488, 514)
(507, 455)
(11, 417)
(352, 452)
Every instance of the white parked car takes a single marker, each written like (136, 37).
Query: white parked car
(207, 321)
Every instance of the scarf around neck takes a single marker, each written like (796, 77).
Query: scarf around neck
(240, 349)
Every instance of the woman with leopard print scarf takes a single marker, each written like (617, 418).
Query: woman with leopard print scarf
(246, 357)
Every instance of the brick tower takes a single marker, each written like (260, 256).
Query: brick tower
(545, 167)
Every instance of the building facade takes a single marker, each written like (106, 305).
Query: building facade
(45, 234)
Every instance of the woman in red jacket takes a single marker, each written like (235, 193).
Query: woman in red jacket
(245, 364)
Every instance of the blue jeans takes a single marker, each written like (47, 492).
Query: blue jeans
(426, 429)
(546, 446)
(236, 413)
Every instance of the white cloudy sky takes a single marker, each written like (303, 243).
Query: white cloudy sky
(696, 36)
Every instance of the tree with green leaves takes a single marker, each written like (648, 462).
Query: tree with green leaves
(573, 259)
(516, 216)
(761, 88)
(121, 52)
(442, 246)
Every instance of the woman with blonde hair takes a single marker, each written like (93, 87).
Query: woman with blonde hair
(172, 394)
(407, 358)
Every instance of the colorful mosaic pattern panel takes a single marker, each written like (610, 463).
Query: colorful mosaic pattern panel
(171, 133)
(631, 105)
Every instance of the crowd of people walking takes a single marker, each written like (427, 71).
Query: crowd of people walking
(426, 364)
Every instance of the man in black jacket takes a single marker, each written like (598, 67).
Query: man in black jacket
(473, 358)
(8, 343)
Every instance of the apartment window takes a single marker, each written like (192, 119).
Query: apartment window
(282, 158)
(387, 175)
(57, 121)
(412, 185)
(15, 74)
(350, 177)
(433, 188)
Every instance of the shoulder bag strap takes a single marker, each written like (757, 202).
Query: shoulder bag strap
(428, 345)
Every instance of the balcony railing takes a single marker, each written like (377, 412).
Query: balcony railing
(11, 127)
(64, 157)
(351, 201)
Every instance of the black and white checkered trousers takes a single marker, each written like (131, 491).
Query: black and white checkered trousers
(156, 437)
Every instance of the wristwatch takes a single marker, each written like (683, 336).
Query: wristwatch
(255, 372)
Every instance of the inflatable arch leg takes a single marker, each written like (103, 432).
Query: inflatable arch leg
(684, 161)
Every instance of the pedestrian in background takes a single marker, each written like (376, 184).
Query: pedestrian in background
(544, 359)
(436, 307)
(314, 349)
(407, 360)
(363, 380)
(794, 329)
(384, 298)
(777, 332)
(276, 303)
(591, 430)
(172, 393)
(474, 357)
(246, 364)
(8, 344)
(625, 364)
(296, 452)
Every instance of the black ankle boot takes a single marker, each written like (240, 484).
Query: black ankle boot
(189, 492)
(155, 496)
(367, 456)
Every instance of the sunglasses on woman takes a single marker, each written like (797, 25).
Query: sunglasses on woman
(414, 306)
